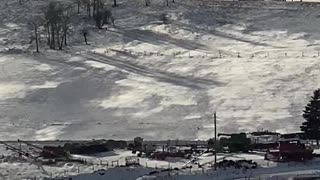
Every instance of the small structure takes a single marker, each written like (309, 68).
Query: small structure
(85, 148)
(235, 142)
(138, 142)
(264, 139)
(113, 144)
(149, 148)
(299, 136)
(53, 152)
(158, 155)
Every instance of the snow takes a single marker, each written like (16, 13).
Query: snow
(265, 170)
(47, 84)
(255, 63)
(11, 90)
(100, 167)
(43, 67)
(99, 65)
(162, 81)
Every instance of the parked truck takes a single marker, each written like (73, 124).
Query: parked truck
(289, 151)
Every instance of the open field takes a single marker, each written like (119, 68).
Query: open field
(255, 63)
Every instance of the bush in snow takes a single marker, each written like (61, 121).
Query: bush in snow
(164, 18)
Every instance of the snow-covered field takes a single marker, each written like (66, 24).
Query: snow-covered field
(159, 81)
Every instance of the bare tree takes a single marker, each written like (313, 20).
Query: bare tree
(99, 14)
(36, 26)
(87, 5)
(85, 33)
(103, 15)
(78, 2)
(65, 23)
(57, 18)
(51, 17)
(35, 22)
(147, 2)
(94, 8)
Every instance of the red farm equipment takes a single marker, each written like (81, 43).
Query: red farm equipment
(289, 151)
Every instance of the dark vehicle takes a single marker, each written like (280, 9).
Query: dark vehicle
(289, 151)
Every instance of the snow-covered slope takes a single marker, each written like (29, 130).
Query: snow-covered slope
(255, 63)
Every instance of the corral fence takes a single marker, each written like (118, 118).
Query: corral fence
(221, 54)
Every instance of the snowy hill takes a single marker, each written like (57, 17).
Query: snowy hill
(255, 63)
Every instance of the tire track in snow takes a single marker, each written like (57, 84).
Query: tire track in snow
(172, 78)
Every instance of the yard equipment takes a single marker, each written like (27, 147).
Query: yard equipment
(86, 148)
(49, 152)
(19, 151)
(289, 151)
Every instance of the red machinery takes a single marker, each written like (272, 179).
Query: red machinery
(289, 151)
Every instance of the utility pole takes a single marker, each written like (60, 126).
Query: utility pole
(20, 149)
(36, 36)
(78, 6)
(215, 140)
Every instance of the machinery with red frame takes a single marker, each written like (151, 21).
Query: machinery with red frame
(289, 151)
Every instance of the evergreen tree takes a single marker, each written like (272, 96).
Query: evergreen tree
(311, 127)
